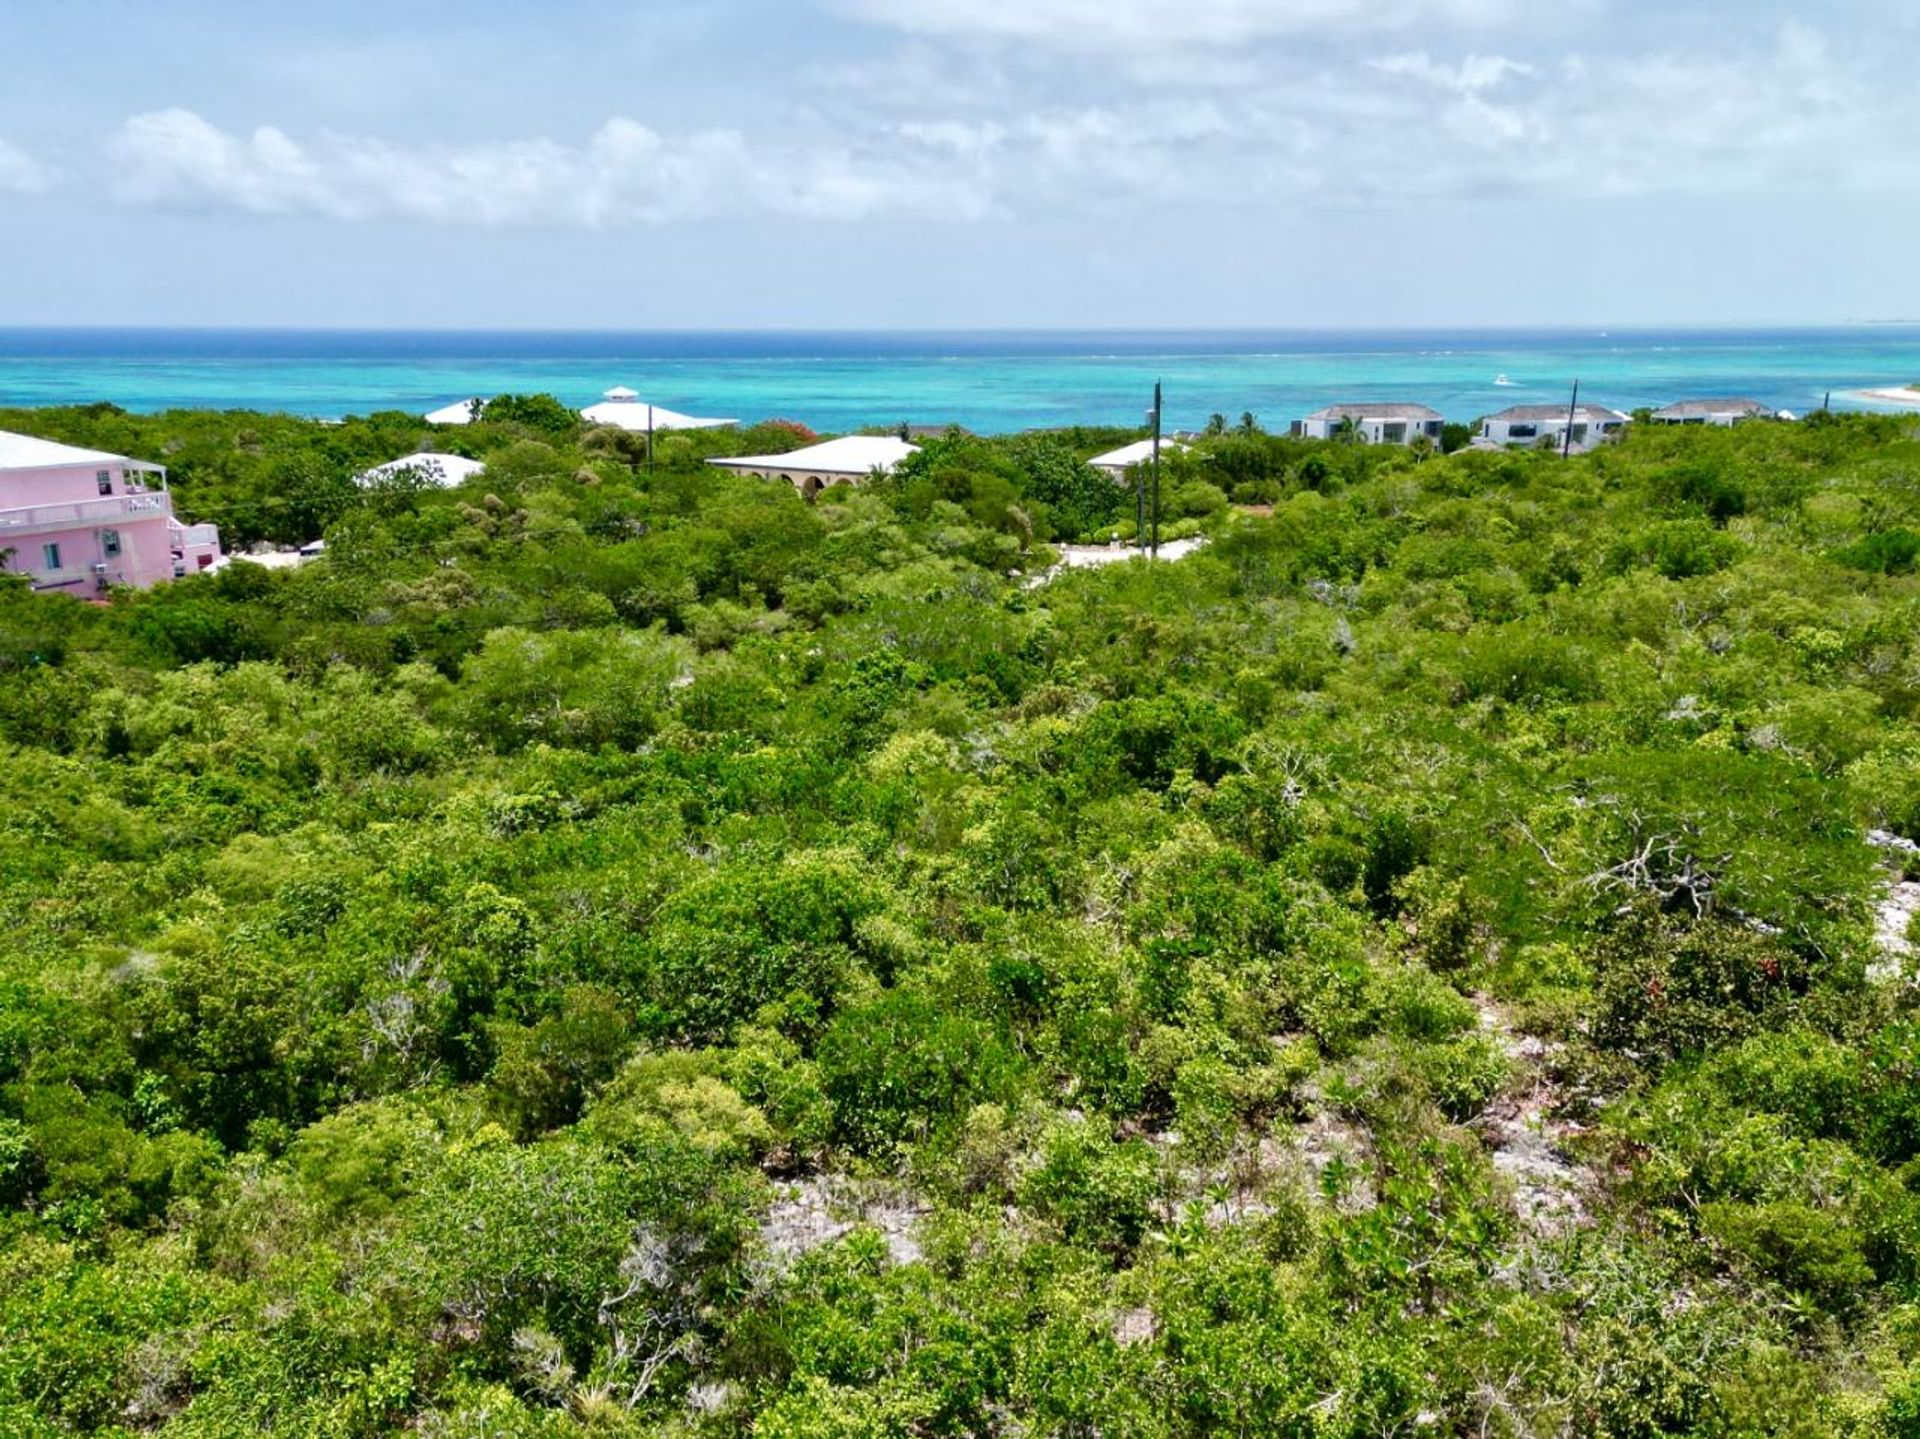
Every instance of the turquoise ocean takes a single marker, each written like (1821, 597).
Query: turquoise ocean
(989, 381)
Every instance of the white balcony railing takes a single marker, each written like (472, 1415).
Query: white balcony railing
(85, 512)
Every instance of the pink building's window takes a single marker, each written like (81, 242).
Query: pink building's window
(50, 553)
(104, 478)
(110, 543)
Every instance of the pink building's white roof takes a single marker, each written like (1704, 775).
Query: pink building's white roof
(26, 452)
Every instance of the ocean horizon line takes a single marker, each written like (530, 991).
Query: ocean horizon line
(1536, 329)
(1599, 328)
(991, 380)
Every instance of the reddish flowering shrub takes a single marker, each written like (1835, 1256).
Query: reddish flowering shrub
(775, 437)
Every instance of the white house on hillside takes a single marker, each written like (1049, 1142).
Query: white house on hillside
(446, 471)
(625, 410)
(1528, 425)
(464, 412)
(1724, 413)
(1373, 423)
(1116, 463)
(847, 460)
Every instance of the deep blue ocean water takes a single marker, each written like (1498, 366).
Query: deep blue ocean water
(989, 381)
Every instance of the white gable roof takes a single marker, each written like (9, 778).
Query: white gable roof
(849, 455)
(1137, 453)
(443, 470)
(623, 409)
(459, 413)
(26, 452)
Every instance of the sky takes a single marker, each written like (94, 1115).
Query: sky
(919, 164)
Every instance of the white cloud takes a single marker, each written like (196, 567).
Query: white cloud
(624, 174)
(1471, 75)
(1767, 113)
(20, 173)
(1791, 115)
(1172, 25)
(1780, 113)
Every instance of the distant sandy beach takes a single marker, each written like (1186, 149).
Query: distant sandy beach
(1898, 395)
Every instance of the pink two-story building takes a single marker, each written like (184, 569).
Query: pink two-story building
(81, 520)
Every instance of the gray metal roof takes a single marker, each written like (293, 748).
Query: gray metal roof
(1384, 410)
(1700, 409)
(1538, 414)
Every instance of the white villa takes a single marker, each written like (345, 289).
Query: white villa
(1724, 413)
(847, 460)
(1116, 463)
(624, 409)
(1372, 423)
(446, 471)
(464, 412)
(1528, 425)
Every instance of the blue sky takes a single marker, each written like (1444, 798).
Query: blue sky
(938, 163)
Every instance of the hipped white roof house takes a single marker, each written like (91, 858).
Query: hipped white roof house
(445, 471)
(1127, 456)
(459, 413)
(624, 409)
(853, 455)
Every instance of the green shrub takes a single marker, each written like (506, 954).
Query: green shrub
(1885, 552)
(753, 935)
(904, 1065)
(1675, 549)
(679, 1095)
(1666, 988)
(1806, 1250)
(1100, 1193)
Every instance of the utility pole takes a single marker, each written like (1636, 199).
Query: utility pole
(1156, 470)
(1146, 524)
(1140, 501)
(1573, 408)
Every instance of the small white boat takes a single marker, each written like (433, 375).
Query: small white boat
(1504, 383)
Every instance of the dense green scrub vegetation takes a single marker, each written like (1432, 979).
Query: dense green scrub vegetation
(613, 950)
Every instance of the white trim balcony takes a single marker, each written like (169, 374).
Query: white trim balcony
(79, 513)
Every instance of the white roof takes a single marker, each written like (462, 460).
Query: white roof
(619, 392)
(1137, 453)
(849, 455)
(272, 559)
(459, 413)
(25, 452)
(443, 470)
(623, 409)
